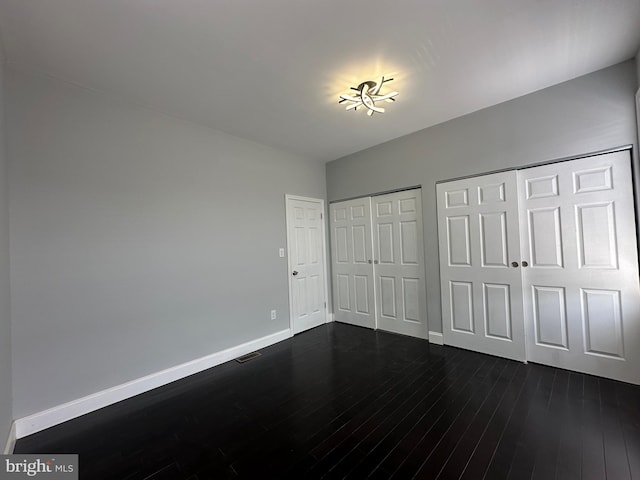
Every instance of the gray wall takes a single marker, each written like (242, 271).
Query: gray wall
(5, 308)
(587, 114)
(139, 241)
(638, 67)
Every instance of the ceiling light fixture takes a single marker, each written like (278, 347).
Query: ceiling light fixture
(367, 96)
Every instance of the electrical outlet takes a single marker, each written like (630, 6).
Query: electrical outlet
(273, 314)
(281, 252)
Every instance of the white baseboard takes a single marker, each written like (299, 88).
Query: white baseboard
(67, 411)
(11, 440)
(436, 337)
(330, 317)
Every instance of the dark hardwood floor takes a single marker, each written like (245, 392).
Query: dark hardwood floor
(345, 402)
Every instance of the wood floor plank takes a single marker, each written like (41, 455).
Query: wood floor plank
(615, 452)
(457, 407)
(387, 435)
(485, 397)
(532, 437)
(343, 402)
(338, 445)
(394, 429)
(469, 441)
(593, 464)
(628, 399)
(569, 459)
(476, 464)
(550, 432)
(437, 406)
(501, 459)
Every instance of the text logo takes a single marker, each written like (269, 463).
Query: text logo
(50, 467)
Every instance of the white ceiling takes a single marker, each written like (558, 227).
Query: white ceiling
(271, 71)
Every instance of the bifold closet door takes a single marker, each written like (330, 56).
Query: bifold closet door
(352, 262)
(550, 251)
(481, 285)
(377, 262)
(582, 300)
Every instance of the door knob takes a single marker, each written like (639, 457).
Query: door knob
(295, 272)
(525, 263)
(369, 261)
(375, 262)
(514, 264)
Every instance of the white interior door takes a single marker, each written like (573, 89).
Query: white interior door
(307, 285)
(479, 265)
(398, 263)
(352, 262)
(582, 300)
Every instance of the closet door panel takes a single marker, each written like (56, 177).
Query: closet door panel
(397, 243)
(581, 293)
(458, 243)
(351, 262)
(481, 288)
(549, 316)
(545, 238)
(460, 308)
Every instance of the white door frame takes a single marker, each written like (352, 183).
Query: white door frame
(321, 202)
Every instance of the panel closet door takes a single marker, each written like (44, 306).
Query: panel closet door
(377, 261)
(481, 284)
(398, 263)
(352, 262)
(582, 299)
